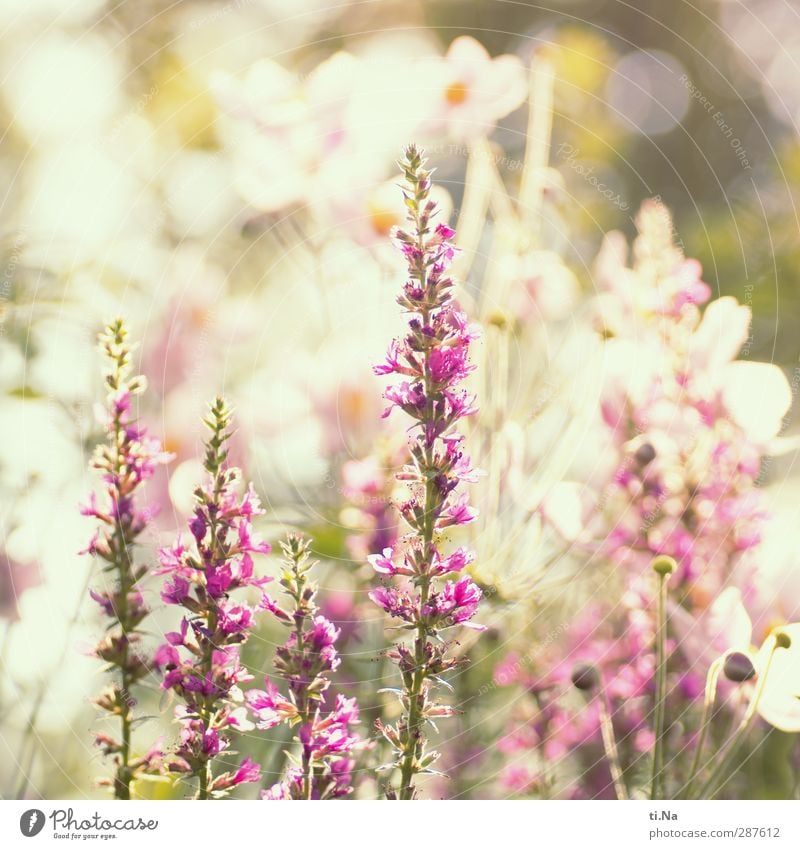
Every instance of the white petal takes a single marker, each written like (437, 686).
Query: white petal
(779, 704)
(721, 334)
(729, 627)
(757, 397)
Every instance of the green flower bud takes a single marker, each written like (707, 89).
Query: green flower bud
(664, 565)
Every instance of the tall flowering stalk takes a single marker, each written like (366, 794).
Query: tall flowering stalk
(201, 662)
(327, 744)
(433, 359)
(126, 459)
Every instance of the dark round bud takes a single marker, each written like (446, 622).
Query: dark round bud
(782, 640)
(585, 677)
(664, 565)
(645, 454)
(738, 667)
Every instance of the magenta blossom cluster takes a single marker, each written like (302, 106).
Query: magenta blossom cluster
(305, 661)
(200, 662)
(433, 361)
(126, 459)
(678, 416)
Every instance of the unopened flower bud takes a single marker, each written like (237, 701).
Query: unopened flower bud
(585, 677)
(738, 667)
(664, 565)
(645, 454)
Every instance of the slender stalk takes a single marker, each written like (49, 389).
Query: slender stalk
(306, 710)
(728, 751)
(478, 182)
(416, 697)
(663, 567)
(214, 460)
(709, 701)
(206, 710)
(498, 384)
(124, 566)
(537, 150)
(610, 744)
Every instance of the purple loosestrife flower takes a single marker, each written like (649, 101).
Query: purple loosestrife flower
(200, 662)
(327, 743)
(126, 459)
(433, 359)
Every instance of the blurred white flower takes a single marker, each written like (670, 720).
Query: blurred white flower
(68, 11)
(542, 287)
(771, 572)
(199, 192)
(84, 207)
(63, 87)
(724, 626)
(63, 366)
(474, 91)
(721, 333)
(779, 704)
(755, 395)
(291, 139)
(368, 216)
(38, 443)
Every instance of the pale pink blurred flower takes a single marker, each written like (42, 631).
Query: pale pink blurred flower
(688, 422)
(369, 213)
(474, 91)
(722, 627)
(15, 579)
(542, 287)
(294, 140)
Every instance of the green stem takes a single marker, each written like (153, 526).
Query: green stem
(656, 788)
(728, 751)
(122, 779)
(416, 696)
(708, 706)
(215, 457)
(304, 708)
(415, 699)
(203, 780)
(610, 745)
(206, 712)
